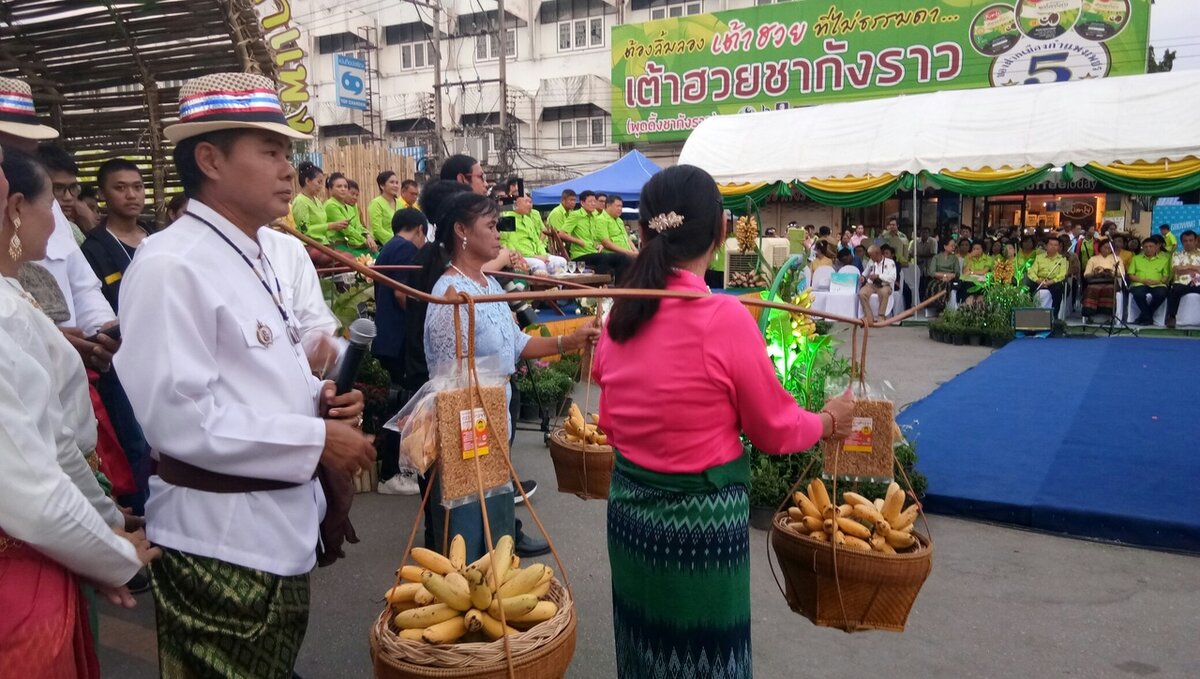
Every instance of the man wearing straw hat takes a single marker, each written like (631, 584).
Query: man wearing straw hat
(214, 367)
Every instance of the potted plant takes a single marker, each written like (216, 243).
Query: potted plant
(540, 387)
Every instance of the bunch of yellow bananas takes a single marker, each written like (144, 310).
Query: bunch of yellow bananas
(365, 260)
(746, 233)
(802, 324)
(443, 600)
(881, 525)
(579, 431)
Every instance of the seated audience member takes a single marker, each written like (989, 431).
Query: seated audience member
(1099, 295)
(1004, 268)
(878, 278)
(821, 255)
(527, 240)
(964, 248)
(1185, 268)
(944, 272)
(1149, 273)
(845, 259)
(1048, 272)
(860, 256)
(975, 270)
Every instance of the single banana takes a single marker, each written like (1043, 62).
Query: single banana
(906, 518)
(810, 524)
(806, 505)
(893, 502)
(420, 618)
(857, 543)
(855, 499)
(402, 593)
(867, 513)
(459, 581)
(878, 504)
(446, 632)
(819, 535)
(543, 611)
(795, 514)
(458, 552)
(431, 560)
(412, 634)
(411, 573)
(481, 596)
(900, 540)
(501, 560)
(447, 593)
(853, 528)
(493, 628)
(423, 597)
(522, 582)
(482, 564)
(514, 607)
(818, 495)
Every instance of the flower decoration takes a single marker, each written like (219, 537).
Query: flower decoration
(665, 222)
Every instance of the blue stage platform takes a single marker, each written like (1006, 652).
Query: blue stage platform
(1095, 438)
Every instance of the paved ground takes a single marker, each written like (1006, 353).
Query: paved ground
(1000, 602)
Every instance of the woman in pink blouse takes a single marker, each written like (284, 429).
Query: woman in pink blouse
(680, 381)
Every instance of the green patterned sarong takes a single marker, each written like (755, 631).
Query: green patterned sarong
(220, 620)
(679, 548)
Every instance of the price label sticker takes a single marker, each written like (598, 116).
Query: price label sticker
(861, 436)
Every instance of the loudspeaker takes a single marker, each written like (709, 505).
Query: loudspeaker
(1033, 319)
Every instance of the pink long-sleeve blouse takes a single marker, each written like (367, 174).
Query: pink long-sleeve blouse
(675, 397)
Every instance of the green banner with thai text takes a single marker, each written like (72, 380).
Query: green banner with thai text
(669, 75)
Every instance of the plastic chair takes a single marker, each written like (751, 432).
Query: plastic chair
(1189, 311)
(821, 276)
(874, 302)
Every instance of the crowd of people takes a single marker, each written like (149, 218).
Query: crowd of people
(1096, 264)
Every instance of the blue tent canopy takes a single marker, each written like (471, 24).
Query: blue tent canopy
(623, 178)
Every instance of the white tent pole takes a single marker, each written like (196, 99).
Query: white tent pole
(916, 293)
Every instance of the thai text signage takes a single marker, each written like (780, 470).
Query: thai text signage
(350, 77)
(285, 41)
(669, 75)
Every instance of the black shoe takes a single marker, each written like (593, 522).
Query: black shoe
(530, 487)
(139, 583)
(528, 546)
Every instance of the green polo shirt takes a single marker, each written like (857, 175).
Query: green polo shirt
(527, 238)
(1045, 267)
(1172, 242)
(614, 230)
(977, 269)
(1157, 268)
(582, 225)
(558, 217)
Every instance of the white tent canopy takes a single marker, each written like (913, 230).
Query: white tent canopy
(1134, 118)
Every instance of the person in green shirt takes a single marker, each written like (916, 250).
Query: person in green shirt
(1149, 273)
(583, 233)
(307, 209)
(557, 219)
(346, 231)
(383, 206)
(528, 240)
(1172, 243)
(615, 238)
(1048, 271)
(975, 270)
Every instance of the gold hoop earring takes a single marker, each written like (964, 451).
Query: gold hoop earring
(14, 245)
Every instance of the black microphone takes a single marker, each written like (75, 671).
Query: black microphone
(362, 331)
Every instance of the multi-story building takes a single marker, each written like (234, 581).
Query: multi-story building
(558, 73)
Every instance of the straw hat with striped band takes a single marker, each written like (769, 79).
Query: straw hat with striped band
(17, 115)
(227, 101)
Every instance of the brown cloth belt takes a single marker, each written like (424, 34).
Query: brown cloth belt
(179, 473)
(337, 486)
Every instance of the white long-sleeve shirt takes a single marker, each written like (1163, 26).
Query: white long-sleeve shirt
(215, 382)
(70, 406)
(885, 267)
(301, 286)
(40, 503)
(65, 261)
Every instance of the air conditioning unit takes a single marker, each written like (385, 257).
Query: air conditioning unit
(775, 252)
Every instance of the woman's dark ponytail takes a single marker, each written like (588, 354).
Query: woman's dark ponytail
(692, 194)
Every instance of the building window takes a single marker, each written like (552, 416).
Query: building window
(415, 55)
(676, 8)
(487, 47)
(580, 34)
(577, 133)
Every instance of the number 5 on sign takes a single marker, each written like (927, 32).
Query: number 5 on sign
(1048, 63)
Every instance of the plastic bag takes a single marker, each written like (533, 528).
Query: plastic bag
(867, 454)
(438, 425)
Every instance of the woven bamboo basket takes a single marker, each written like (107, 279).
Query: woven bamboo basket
(584, 470)
(542, 652)
(869, 591)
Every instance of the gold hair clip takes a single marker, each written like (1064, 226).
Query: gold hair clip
(662, 223)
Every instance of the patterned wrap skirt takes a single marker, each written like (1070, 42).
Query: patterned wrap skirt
(218, 620)
(679, 548)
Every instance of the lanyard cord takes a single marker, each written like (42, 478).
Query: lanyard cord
(274, 298)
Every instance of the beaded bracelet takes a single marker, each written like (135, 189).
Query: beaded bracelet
(832, 422)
